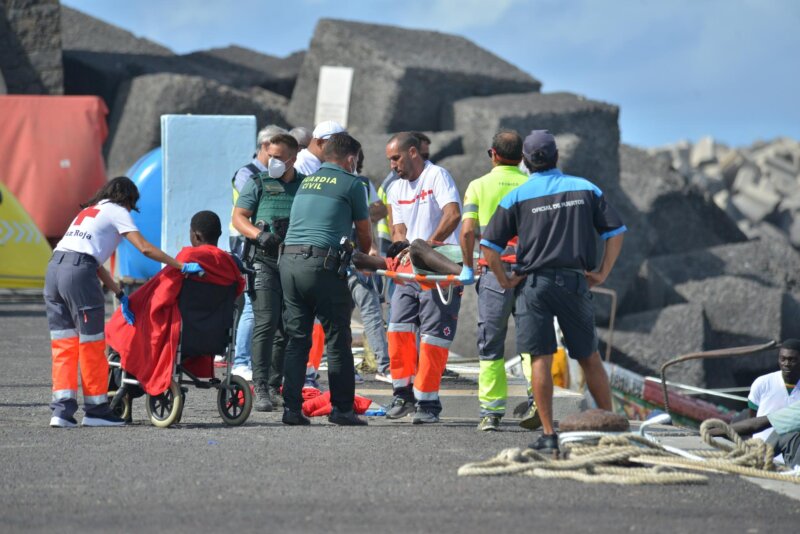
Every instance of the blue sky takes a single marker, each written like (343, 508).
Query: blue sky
(677, 68)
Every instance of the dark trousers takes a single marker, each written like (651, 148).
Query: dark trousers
(310, 290)
(266, 299)
(278, 355)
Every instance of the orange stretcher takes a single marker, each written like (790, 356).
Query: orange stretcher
(427, 281)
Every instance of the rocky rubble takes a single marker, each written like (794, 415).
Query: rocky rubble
(755, 185)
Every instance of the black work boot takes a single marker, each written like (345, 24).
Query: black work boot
(546, 443)
(262, 402)
(338, 417)
(275, 397)
(292, 418)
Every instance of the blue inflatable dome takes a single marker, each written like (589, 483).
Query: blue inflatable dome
(146, 174)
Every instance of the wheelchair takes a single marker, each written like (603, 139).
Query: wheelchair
(209, 315)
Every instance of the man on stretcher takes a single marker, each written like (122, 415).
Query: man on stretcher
(413, 258)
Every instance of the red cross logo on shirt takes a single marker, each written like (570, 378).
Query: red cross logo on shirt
(90, 212)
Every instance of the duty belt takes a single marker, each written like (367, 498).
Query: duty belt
(306, 250)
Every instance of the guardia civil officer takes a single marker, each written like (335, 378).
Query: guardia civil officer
(313, 273)
(76, 306)
(242, 361)
(556, 217)
(268, 199)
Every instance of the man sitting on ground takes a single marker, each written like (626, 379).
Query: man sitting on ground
(773, 403)
(777, 390)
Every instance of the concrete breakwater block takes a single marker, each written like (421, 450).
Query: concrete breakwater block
(643, 342)
(770, 262)
(404, 79)
(134, 124)
(245, 67)
(743, 307)
(561, 113)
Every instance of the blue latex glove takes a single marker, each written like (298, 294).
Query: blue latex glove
(126, 309)
(192, 268)
(467, 276)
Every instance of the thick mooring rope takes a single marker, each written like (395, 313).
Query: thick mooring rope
(617, 459)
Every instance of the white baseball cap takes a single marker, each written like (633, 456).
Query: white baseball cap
(326, 129)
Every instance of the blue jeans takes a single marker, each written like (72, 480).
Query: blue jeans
(366, 297)
(244, 336)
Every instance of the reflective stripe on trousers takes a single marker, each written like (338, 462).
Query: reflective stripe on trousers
(492, 387)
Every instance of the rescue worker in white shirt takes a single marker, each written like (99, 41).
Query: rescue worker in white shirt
(425, 204)
(385, 224)
(76, 305)
(243, 354)
(310, 159)
(384, 228)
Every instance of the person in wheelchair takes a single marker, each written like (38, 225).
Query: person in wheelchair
(174, 312)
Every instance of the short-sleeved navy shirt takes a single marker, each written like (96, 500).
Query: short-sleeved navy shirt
(556, 217)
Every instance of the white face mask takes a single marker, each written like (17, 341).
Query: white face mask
(276, 168)
(354, 168)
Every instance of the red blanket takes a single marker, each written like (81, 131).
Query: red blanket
(317, 403)
(147, 349)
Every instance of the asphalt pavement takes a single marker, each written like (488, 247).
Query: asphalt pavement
(201, 476)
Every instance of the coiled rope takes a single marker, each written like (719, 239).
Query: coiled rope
(618, 459)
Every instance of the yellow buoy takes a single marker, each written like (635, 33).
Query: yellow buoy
(24, 251)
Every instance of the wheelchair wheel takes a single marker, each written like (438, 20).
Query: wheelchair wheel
(165, 409)
(123, 409)
(234, 404)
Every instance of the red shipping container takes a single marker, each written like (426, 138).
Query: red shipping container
(52, 155)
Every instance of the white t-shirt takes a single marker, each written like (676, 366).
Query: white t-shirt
(307, 163)
(768, 392)
(97, 230)
(419, 204)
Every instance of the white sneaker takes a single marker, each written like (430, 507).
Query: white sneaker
(243, 371)
(219, 358)
(62, 422)
(383, 377)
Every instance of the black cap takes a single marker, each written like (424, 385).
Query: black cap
(539, 146)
